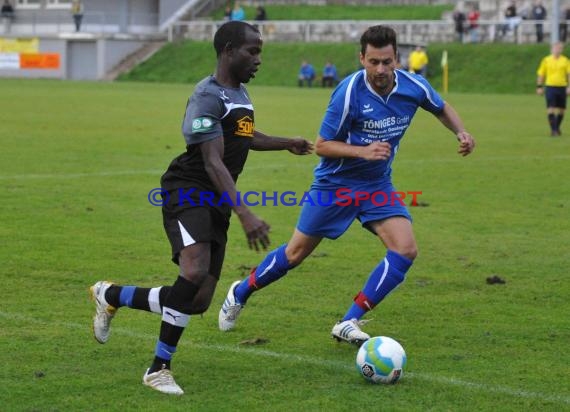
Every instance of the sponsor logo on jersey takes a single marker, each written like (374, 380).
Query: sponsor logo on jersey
(367, 109)
(245, 127)
(384, 129)
(202, 124)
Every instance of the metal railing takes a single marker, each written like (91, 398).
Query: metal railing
(409, 31)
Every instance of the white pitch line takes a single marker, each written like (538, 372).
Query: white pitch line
(81, 175)
(503, 390)
(32, 176)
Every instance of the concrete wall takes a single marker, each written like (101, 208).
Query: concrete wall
(111, 31)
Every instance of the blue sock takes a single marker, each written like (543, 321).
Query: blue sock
(126, 296)
(272, 268)
(383, 279)
(164, 351)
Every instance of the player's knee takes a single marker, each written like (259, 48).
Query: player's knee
(203, 298)
(194, 275)
(200, 304)
(295, 255)
(409, 251)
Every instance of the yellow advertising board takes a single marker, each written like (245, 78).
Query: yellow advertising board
(31, 45)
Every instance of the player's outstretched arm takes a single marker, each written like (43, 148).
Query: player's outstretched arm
(296, 145)
(256, 230)
(450, 119)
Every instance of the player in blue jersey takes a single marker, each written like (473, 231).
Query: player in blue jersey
(219, 132)
(366, 118)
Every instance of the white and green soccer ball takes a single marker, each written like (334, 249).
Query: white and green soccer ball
(381, 360)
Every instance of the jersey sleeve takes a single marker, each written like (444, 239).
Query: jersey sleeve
(338, 117)
(202, 119)
(431, 100)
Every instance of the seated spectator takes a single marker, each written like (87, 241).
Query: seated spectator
(512, 20)
(330, 75)
(306, 74)
(418, 61)
(7, 13)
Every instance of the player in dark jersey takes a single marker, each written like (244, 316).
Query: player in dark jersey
(367, 117)
(219, 131)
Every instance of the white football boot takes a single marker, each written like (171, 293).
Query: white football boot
(104, 312)
(230, 309)
(349, 331)
(162, 381)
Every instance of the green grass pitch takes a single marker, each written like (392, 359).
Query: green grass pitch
(78, 159)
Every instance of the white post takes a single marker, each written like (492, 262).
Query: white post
(555, 35)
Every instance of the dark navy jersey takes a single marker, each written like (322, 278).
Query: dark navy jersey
(212, 111)
(357, 115)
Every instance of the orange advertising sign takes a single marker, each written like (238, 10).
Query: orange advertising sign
(39, 61)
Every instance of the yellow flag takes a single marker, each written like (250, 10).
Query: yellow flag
(444, 59)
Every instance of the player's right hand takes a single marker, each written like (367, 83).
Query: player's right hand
(377, 151)
(256, 230)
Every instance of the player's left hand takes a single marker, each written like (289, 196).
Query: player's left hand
(300, 146)
(466, 143)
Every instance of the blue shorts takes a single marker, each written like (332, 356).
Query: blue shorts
(331, 212)
(555, 96)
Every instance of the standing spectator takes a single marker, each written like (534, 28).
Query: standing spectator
(228, 12)
(418, 61)
(553, 80)
(238, 13)
(473, 20)
(306, 74)
(260, 14)
(330, 75)
(459, 19)
(77, 12)
(538, 12)
(7, 15)
(565, 16)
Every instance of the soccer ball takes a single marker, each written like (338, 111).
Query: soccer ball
(381, 360)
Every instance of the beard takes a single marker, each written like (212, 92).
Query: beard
(382, 84)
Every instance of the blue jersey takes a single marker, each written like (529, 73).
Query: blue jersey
(357, 115)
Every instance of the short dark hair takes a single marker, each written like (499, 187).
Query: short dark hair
(378, 36)
(232, 32)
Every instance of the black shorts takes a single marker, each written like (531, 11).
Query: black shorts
(555, 97)
(186, 226)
